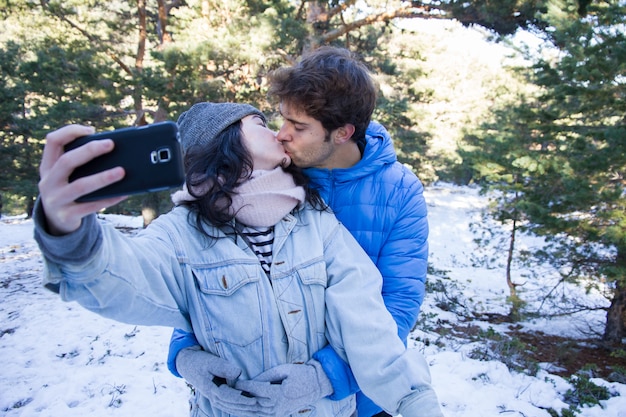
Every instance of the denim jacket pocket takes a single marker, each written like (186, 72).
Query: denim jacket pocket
(229, 300)
(314, 274)
(225, 280)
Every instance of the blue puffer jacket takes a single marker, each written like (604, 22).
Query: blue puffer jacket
(381, 203)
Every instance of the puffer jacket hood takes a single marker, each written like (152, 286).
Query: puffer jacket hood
(378, 152)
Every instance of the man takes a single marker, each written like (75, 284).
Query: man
(326, 101)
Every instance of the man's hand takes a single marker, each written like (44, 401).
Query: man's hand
(287, 389)
(57, 194)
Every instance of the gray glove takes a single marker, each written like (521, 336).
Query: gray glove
(213, 378)
(286, 389)
(426, 405)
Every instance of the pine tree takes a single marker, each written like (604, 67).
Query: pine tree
(568, 154)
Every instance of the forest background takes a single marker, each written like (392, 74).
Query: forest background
(544, 135)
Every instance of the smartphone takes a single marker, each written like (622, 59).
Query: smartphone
(151, 155)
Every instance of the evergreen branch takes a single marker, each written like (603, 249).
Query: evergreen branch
(93, 39)
(340, 8)
(403, 12)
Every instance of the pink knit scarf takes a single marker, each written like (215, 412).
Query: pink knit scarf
(263, 200)
(266, 198)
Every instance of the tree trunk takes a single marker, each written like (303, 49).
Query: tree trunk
(150, 208)
(615, 330)
(514, 312)
(615, 317)
(509, 261)
(318, 19)
(164, 36)
(140, 118)
(30, 206)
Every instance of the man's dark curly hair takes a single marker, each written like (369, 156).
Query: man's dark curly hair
(330, 85)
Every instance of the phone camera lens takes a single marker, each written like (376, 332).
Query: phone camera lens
(164, 155)
(160, 156)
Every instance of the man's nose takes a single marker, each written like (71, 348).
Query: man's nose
(283, 135)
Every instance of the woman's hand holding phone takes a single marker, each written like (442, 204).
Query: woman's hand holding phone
(58, 195)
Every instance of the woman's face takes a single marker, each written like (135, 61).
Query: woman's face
(266, 151)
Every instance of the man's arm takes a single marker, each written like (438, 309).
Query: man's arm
(179, 341)
(403, 260)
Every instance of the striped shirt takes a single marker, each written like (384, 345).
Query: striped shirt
(260, 240)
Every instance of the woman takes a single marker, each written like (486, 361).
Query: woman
(249, 260)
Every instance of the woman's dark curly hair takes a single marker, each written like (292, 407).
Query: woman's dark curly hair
(214, 170)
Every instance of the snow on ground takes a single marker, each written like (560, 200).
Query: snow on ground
(57, 359)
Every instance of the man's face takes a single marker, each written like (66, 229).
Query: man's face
(305, 140)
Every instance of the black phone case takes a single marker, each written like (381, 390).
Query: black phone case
(151, 155)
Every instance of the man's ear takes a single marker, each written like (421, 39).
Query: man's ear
(343, 134)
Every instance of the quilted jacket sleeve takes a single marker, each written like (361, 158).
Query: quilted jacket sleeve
(179, 341)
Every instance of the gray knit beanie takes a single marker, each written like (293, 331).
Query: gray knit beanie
(204, 121)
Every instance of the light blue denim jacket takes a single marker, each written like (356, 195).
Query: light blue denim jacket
(323, 289)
